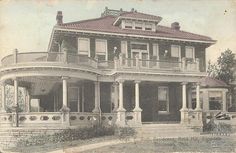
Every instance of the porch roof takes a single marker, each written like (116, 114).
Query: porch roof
(210, 82)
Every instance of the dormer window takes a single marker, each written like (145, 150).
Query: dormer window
(138, 25)
(128, 24)
(148, 26)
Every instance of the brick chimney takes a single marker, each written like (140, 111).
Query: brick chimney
(175, 26)
(59, 18)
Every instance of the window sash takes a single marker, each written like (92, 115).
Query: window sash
(175, 51)
(189, 52)
(128, 24)
(138, 25)
(101, 47)
(83, 46)
(155, 50)
(148, 26)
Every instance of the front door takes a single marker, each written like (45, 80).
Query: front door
(154, 103)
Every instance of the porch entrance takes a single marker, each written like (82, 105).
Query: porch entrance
(160, 102)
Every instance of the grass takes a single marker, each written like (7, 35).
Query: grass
(200, 144)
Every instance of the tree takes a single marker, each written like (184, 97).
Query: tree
(223, 69)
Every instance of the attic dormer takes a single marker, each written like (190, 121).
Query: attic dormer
(133, 20)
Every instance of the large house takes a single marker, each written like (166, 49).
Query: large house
(122, 68)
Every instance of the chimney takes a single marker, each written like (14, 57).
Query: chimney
(175, 26)
(59, 18)
(132, 10)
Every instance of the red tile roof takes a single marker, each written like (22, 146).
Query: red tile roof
(105, 24)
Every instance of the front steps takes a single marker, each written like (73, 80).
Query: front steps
(165, 131)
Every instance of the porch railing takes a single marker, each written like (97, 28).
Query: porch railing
(118, 63)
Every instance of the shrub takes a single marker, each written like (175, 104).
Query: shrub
(68, 135)
(221, 128)
(125, 132)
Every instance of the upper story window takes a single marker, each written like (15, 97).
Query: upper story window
(83, 46)
(189, 52)
(175, 52)
(138, 25)
(215, 100)
(128, 24)
(155, 51)
(139, 46)
(101, 49)
(148, 26)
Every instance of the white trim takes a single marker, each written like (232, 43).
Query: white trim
(167, 100)
(191, 48)
(157, 51)
(133, 35)
(140, 51)
(179, 50)
(126, 48)
(106, 52)
(137, 19)
(87, 39)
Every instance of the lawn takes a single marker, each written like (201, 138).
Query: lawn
(200, 144)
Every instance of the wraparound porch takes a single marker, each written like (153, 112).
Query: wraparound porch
(123, 102)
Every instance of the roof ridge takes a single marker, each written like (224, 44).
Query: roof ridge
(82, 21)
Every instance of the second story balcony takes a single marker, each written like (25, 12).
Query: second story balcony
(117, 64)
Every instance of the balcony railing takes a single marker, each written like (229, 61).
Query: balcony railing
(117, 64)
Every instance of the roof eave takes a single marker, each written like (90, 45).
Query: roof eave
(211, 42)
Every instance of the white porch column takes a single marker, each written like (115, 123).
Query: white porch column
(121, 121)
(78, 105)
(64, 91)
(27, 100)
(184, 109)
(121, 105)
(82, 90)
(15, 121)
(190, 98)
(65, 110)
(224, 101)
(97, 108)
(198, 104)
(3, 85)
(116, 94)
(184, 101)
(15, 92)
(137, 108)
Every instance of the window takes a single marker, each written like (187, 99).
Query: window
(101, 49)
(189, 52)
(148, 26)
(73, 98)
(128, 24)
(139, 46)
(156, 51)
(83, 46)
(35, 105)
(163, 99)
(138, 25)
(215, 100)
(175, 52)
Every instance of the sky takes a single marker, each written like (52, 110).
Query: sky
(27, 24)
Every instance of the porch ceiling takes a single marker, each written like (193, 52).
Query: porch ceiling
(40, 85)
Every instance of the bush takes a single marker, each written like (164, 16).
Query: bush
(221, 128)
(125, 132)
(68, 135)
